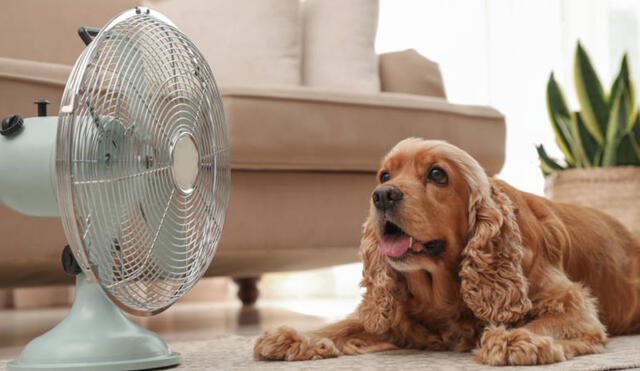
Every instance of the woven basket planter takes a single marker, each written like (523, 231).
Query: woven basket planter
(613, 190)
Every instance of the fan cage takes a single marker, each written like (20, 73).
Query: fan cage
(139, 86)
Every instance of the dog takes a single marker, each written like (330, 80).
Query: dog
(455, 260)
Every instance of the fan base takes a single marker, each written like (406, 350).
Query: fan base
(172, 359)
(95, 335)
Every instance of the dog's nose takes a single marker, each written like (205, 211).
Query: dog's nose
(385, 197)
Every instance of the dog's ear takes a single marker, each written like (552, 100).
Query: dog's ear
(492, 283)
(385, 294)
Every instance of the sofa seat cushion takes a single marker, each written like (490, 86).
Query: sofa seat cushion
(302, 128)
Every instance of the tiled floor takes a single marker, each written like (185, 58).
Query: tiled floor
(188, 321)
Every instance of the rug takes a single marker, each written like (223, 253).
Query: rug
(235, 353)
(231, 352)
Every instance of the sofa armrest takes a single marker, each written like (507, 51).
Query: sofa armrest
(409, 72)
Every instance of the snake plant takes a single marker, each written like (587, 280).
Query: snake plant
(606, 130)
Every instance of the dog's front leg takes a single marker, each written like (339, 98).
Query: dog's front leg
(565, 325)
(344, 337)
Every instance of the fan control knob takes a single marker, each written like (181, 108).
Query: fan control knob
(42, 107)
(11, 125)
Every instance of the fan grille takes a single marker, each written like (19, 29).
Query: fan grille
(137, 88)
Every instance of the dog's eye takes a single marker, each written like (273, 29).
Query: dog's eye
(437, 176)
(384, 177)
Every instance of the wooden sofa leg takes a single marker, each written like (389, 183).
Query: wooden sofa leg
(247, 289)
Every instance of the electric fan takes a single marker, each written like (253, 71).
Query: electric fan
(136, 165)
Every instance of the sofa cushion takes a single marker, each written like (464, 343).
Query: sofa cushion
(409, 72)
(339, 39)
(46, 31)
(252, 42)
(313, 129)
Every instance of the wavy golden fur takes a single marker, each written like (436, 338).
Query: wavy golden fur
(517, 278)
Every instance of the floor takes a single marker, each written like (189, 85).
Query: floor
(188, 321)
(204, 320)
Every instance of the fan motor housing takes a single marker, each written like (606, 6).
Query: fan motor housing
(27, 165)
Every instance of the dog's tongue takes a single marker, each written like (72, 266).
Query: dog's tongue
(394, 246)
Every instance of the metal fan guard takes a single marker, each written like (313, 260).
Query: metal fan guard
(137, 88)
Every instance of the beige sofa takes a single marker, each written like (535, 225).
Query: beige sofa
(303, 159)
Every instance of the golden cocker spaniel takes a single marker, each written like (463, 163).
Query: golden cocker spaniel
(454, 260)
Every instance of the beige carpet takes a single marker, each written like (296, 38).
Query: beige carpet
(230, 352)
(235, 353)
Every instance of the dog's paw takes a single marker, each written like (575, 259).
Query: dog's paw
(499, 346)
(286, 344)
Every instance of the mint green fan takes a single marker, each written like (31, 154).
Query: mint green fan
(136, 165)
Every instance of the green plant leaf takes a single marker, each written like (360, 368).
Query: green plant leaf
(547, 165)
(560, 118)
(629, 150)
(616, 128)
(624, 81)
(615, 87)
(594, 107)
(586, 150)
(592, 150)
(635, 135)
(627, 154)
(633, 108)
(619, 81)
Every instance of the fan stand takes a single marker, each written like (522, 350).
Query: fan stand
(95, 335)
